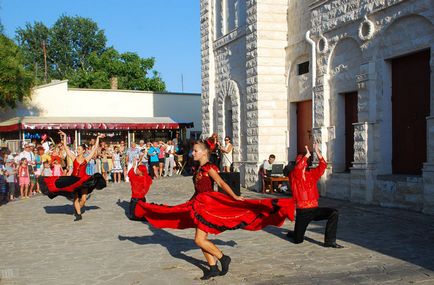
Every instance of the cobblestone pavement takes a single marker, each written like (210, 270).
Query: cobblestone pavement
(40, 244)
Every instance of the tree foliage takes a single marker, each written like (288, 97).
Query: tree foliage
(76, 50)
(15, 81)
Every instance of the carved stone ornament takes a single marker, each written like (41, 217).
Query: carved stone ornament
(323, 45)
(366, 29)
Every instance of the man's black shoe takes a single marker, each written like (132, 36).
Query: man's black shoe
(333, 245)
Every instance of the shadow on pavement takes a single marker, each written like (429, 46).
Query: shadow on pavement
(66, 209)
(175, 245)
(124, 205)
(396, 233)
(281, 233)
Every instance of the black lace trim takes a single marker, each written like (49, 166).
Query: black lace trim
(241, 225)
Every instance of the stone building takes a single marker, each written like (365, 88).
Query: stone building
(353, 76)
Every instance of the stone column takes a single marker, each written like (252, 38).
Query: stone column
(267, 112)
(207, 55)
(363, 170)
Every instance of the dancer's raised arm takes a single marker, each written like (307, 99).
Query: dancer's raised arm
(70, 154)
(94, 148)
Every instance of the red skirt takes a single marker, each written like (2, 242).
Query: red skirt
(214, 212)
(53, 186)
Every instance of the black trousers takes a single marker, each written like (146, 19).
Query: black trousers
(133, 204)
(305, 216)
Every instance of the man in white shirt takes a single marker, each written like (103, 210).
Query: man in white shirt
(268, 164)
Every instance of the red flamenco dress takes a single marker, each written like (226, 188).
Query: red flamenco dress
(214, 212)
(53, 186)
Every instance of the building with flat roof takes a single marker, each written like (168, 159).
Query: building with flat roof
(120, 114)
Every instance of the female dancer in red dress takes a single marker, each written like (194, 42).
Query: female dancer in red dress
(213, 212)
(79, 184)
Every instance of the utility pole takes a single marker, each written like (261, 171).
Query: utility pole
(182, 83)
(45, 61)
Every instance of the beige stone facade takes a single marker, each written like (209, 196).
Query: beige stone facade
(253, 54)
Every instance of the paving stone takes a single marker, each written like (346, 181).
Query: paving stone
(41, 244)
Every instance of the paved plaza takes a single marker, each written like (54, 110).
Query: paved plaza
(40, 244)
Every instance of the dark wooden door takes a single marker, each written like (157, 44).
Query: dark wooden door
(304, 125)
(410, 107)
(350, 118)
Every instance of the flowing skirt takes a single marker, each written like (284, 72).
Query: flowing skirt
(214, 212)
(68, 185)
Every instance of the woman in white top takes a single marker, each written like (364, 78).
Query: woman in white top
(227, 154)
(169, 162)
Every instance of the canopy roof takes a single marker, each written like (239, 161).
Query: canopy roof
(91, 123)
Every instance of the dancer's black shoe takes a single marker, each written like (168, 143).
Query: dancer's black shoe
(225, 261)
(77, 217)
(213, 272)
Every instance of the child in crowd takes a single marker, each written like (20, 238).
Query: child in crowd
(57, 167)
(24, 178)
(117, 165)
(46, 169)
(10, 171)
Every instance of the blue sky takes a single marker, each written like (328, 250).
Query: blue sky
(165, 29)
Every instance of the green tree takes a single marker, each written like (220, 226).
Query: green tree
(15, 81)
(130, 69)
(73, 40)
(76, 50)
(32, 39)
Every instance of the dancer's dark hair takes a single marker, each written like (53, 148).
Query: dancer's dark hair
(205, 144)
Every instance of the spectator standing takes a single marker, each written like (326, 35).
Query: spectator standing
(11, 171)
(214, 146)
(132, 153)
(46, 169)
(28, 154)
(169, 162)
(141, 145)
(3, 183)
(24, 178)
(153, 153)
(227, 151)
(117, 166)
(104, 164)
(161, 157)
(176, 141)
(123, 152)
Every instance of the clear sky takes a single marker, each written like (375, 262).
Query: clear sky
(168, 30)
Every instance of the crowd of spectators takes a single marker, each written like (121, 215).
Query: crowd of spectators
(19, 171)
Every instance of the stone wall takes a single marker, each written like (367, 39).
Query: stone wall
(356, 40)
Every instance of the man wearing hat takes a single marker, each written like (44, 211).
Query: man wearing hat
(305, 194)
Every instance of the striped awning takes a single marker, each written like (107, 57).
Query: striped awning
(91, 123)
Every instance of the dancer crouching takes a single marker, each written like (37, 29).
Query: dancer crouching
(213, 212)
(305, 193)
(140, 182)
